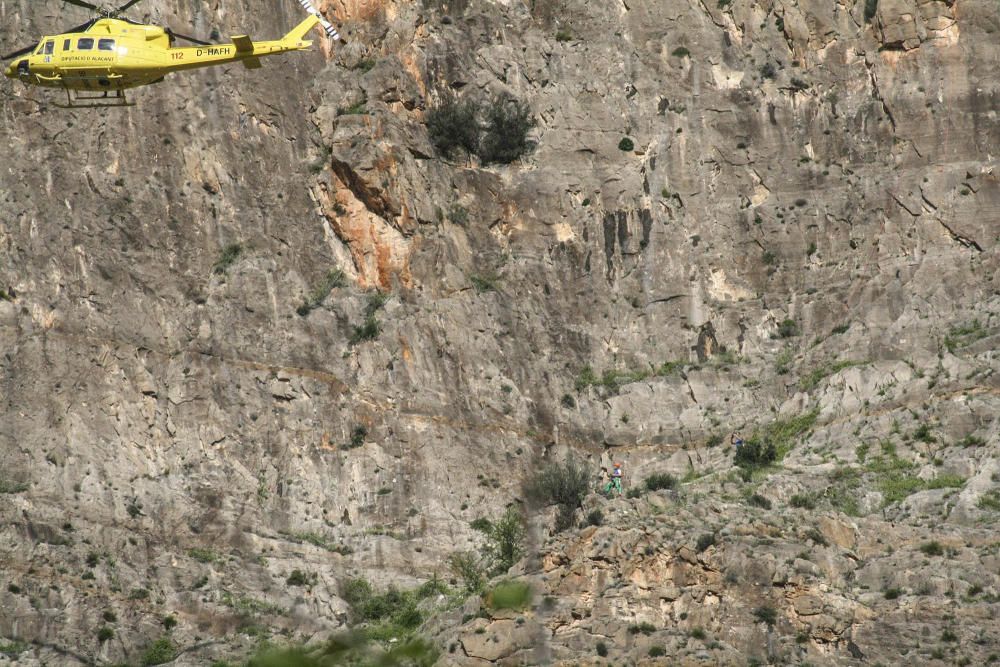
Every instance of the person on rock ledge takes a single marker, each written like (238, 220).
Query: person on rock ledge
(614, 481)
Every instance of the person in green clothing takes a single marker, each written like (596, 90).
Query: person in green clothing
(615, 481)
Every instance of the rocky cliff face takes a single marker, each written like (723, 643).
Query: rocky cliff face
(802, 222)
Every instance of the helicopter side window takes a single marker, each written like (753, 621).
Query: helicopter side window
(49, 47)
(106, 45)
(66, 45)
(85, 43)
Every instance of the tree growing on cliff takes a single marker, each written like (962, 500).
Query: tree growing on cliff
(505, 134)
(452, 126)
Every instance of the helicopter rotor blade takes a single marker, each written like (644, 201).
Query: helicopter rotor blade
(188, 39)
(19, 52)
(123, 8)
(85, 5)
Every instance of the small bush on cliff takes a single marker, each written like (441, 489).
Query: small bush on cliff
(159, 652)
(452, 126)
(660, 481)
(505, 134)
(505, 541)
(563, 484)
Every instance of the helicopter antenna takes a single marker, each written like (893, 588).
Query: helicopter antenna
(331, 32)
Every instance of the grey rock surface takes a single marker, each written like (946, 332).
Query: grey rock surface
(805, 224)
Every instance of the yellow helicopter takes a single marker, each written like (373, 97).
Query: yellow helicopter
(97, 61)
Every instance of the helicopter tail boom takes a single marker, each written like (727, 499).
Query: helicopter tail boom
(299, 32)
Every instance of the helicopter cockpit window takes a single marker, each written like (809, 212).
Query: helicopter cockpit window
(66, 45)
(49, 46)
(85, 44)
(106, 45)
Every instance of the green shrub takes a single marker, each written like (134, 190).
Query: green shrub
(802, 501)
(563, 35)
(299, 578)
(657, 651)
(705, 541)
(626, 144)
(680, 52)
(563, 484)
(989, 501)
(481, 524)
(755, 454)
(660, 481)
(766, 614)
(509, 595)
(352, 648)
(698, 633)
(602, 649)
(758, 500)
(484, 282)
(452, 126)
(595, 518)
(104, 634)
(893, 593)
(159, 652)
(788, 328)
(370, 330)
(932, 548)
(467, 566)
(505, 541)
(645, 628)
(505, 132)
(333, 279)
(568, 401)
(202, 555)
(228, 257)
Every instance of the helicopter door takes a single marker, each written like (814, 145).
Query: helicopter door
(47, 50)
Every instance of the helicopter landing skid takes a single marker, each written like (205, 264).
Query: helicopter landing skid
(105, 99)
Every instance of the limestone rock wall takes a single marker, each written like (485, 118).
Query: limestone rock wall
(177, 436)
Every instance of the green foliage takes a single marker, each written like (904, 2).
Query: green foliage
(626, 144)
(787, 328)
(802, 501)
(13, 649)
(923, 434)
(657, 651)
(356, 109)
(766, 614)
(757, 500)
(611, 381)
(245, 604)
(770, 444)
(705, 541)
(10, 486)
(484, 282)
(452, 126)
(964, 335)
(563, 35)
(783, 362)
(104, 634)
(595, 518)
(893, 593)
(505, 541)
(602, 649)
(364, 65)
(390, 616)
(568, 401)
(698, 633)
(159, 652)
(932, 548)
(481, 524)
(466, 565)
(768, 71)
(514, 595)
(680, 52)
(228, 257)
(300, 578)
(334, 278)
(645, 628)
(358, 435)
(321, 542)
(371, 328)
(563, 484)
(350, 649)
(824, 371)
(505, 132)
(755, 454)
(202, 555)
(660, 481)
(990, 501)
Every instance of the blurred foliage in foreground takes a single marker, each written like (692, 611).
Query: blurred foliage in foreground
(352, 649)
